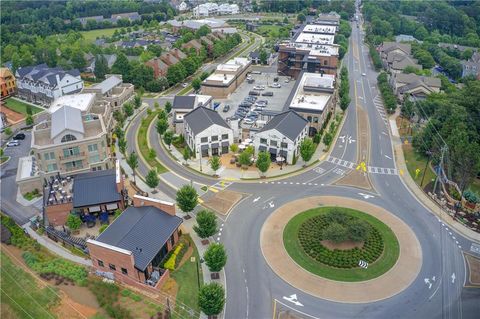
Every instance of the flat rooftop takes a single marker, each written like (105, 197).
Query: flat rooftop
(313, 92)
(81, 101)
(314, 49)
(320, 28)
(220, 78)
(315, 38)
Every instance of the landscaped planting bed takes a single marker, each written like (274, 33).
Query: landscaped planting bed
(304, 240)
(310, 235)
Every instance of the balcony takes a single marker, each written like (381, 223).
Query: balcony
(71, 157)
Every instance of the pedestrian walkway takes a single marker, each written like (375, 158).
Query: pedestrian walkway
(54, 247)
(369, 169)
(377, 101)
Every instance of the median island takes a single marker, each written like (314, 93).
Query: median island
(341, 244)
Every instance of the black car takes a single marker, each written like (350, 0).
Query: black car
(253, 93)
(226, 108)
(19, 136)
(267, 94)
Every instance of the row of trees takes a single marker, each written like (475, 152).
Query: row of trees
(344, 89)
(389, 98)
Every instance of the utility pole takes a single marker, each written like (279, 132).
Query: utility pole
(444, 149)
(429, 153)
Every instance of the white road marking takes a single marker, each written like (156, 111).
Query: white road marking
(293, 299)
(427, 282)
(387, 156)
(453, 278)
(366, 196)
(256, 199)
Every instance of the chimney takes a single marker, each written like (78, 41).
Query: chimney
(167, 207)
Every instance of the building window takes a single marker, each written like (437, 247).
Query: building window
(284, 145)
(94, 159)
(273, 143)
(315, 119)
(325, 62)
(309, 119)
(263, 141)
(214, 138)
(112, 267)
(74, 164)
(100, 263)
(49, 156)
(224, 136)
(68, 138)
(52, 167)
(67, 152)
(93, 148)
(204, 140)
(124, 271)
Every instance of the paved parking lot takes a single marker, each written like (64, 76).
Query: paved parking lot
(275, 102)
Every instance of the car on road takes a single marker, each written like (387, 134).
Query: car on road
(184, 85)
(267, 94)
(13, 143)
(363, 74)
(226, 108)
(19, 136)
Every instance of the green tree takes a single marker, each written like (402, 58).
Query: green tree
(161, 126)
(215, 257)
(344, 102)
(211, 299)
(29, 109)
(196, 84)
(137, 101)
(152, 179)
(162, 115)
(206, 224)
(78, 61)
(186, 155)
(151, 154)
(327, 139)
(307, 149)
(168, 107)
(187, 198)
(263, 162)
(132, 161)
(8, 131)
(215, 164)
(335, 232)
(128, 109)
(29, 120)
(263, 56)
(122, 144)
(168, 138)
(121, 66)
(301, 18)
(358, 230)
(101, 67)
(73, 222)
(244, 158)
(234, 148)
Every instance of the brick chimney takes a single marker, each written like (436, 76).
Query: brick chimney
(167, 207)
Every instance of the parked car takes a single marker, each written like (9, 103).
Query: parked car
(256, 72)
(19, 136)
(254, 93)
(184, 85)
(13, 143)
(250, 80)
(267, 94)
(287, 81)
(226, 108)
(276, 85)
(259, 87)
(249, 121)
(245, 104)
(258, 109)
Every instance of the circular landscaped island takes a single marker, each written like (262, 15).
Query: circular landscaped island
(341, 244)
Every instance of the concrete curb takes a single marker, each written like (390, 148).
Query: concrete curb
(394, 281)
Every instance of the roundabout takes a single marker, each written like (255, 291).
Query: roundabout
(389, 277)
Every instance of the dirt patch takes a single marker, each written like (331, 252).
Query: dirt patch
(12, 116)
(223, 201)
(67, 308)
(346, 245)
(170, 288)
(474, 270)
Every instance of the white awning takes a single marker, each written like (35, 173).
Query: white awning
(112, 206)
(94, 209)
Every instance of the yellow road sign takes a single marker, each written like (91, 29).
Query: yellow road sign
(401, 172)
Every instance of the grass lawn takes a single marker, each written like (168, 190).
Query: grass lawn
(379, 267)
(187, 281)
(21, 296)
(92, 35)
(143, 145)
(415, 161)
(273, 31)
(185, 90)
(3, 159)
(20, 107)
(31, 195)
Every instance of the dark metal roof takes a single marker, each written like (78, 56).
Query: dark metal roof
(183, 102)
(141, 230)
(288, 123)
(94, 188)
(202, 118)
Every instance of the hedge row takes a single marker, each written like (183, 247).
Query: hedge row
(389, 99)
(310, 237)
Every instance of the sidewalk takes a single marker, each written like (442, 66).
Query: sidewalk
(54, 247)
(420, 195)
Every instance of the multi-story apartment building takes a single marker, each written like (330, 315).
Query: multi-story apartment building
(112, 90)
(226, 78)
(42, 85)
(311, 49)
(7, 82)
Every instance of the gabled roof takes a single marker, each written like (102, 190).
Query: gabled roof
(390, 46)
(412, 77)
(45, 74)
(66, 118)
(95, 188)
(288, 123)
(414, 85)
(202, 118)
(141, 230)
(183, 102)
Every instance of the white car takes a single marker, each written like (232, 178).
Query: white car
(276, 85)
(363, 74)
(13, 143)
(287, 81)
(249, 121)
(184, 85)
(259, 87)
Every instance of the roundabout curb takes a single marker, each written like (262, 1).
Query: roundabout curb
(394, 281)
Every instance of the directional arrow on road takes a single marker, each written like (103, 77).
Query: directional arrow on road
(256, 199)
(453, 278)
(427, 282)
(366, 196)
(293, 299)
(342, 138)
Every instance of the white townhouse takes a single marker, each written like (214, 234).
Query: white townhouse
(207, 133)
(282, 136)
(42, 85)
